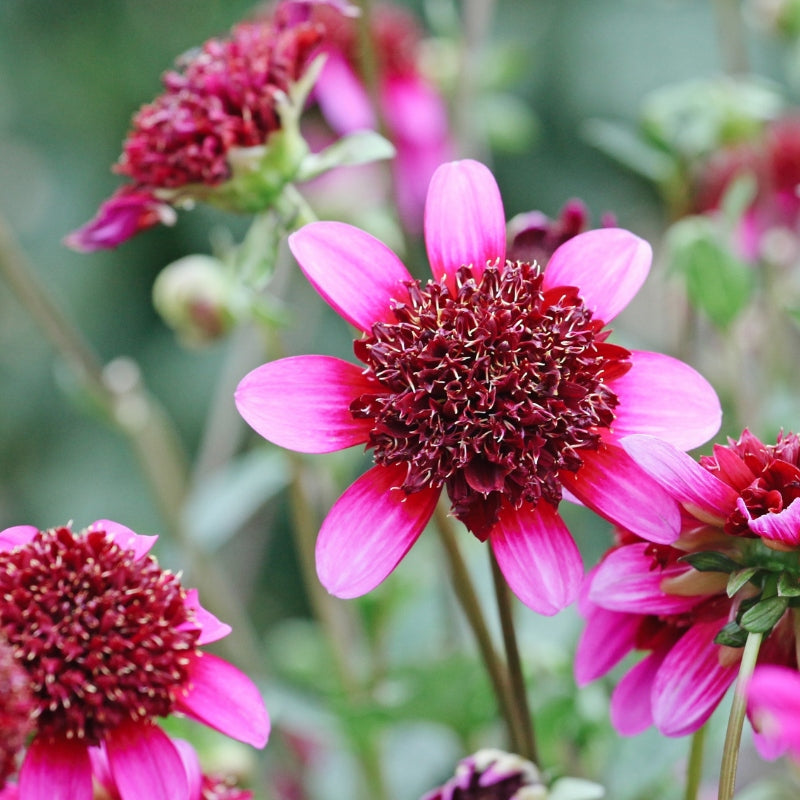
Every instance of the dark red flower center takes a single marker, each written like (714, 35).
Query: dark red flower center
(491, 391)
(104, 636)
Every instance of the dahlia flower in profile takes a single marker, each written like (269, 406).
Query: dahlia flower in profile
(773, 705)
(213, 133)
(494, 382)
(110, 642)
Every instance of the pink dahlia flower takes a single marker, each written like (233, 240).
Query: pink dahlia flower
(773, 705)
(413, 111)
(494, 381)
(109, 642)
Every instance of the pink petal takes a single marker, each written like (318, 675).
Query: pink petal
(537, 556)
(125, 537)
(773, 703)
(607, 638)
(303, 403)
(664, 397)
(191, 763)
(414, 110)
(697, 489)
(465, 222)
(626, 581)
(631, 705)
(58, 769)
(342, 97)
(145, 763)
(369, 530)
(224, 698)
(608, 266)
(781, 527)
(691, 681)
(16, 535)
(211, 628)
(359, 276)
(613, 486)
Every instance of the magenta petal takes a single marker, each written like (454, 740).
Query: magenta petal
(191, 764)
(612, 485)
(358, 275)
(781, 527)
(607, 638)
(691, 681)
(664, 397)
(342, 97)
(537, 556)
(773, 703)
(697, 489)
(631, 705)
(58, 769)
(16, 535)
(211, 628)
(608, 266)
(125, 537)
(369, 530)
(224, 698)
(145, 763)
(464, 220)
(303, 403)
(626, 581)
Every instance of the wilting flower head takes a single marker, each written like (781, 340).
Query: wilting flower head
(218, 110)
(690, 605)
(109, 642)
(16, 708)
(413, 111)
(773, 705)
(494, 381)
(492, 775)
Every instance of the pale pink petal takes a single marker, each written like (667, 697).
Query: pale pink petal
(625, 580)
(358, 275)
(224, 698)
(125, 537)
(538, 556)
(303, 403)
(607, 638)
(56, 769)
(631, 705)
(691, 681)
(664, 397)
(191, 763)
(608, 266)
(781, 527)
(211, 628)
(773, 703)
(16, 535)
(464, 220)
(342, 97)
(369, 530)
(698, 490)
(145, 763)
(415, 112)
(613, 486)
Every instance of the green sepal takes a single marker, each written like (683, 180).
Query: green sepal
(710, 561)
(732, 635)
(762, 617)
(361, 147)
(788, 585)
(738, 579)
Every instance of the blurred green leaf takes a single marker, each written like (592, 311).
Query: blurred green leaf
(575, 789)
(762, 617)
(788, 585)
(360, 147)
(710, 561)
(739, 578)
(732, 635)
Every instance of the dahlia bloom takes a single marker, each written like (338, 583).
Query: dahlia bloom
(412, 109)
(494, 382)
(109, 642)
(773, 705)
(206, 136)
(741, 504)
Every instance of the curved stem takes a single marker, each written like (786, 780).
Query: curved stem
(694, 773)
(470, 605)
(519, 694)
(733, 735)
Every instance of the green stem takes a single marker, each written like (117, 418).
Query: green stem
(733, 735)
(694, 773)
(519, 693)
(470, 605)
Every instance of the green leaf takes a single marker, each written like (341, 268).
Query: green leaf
(788, 585)
(737, 197)
(732, 635)
(360, 147)
(710, 561)
(762, 617)
(575, 789)
(739, 578)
